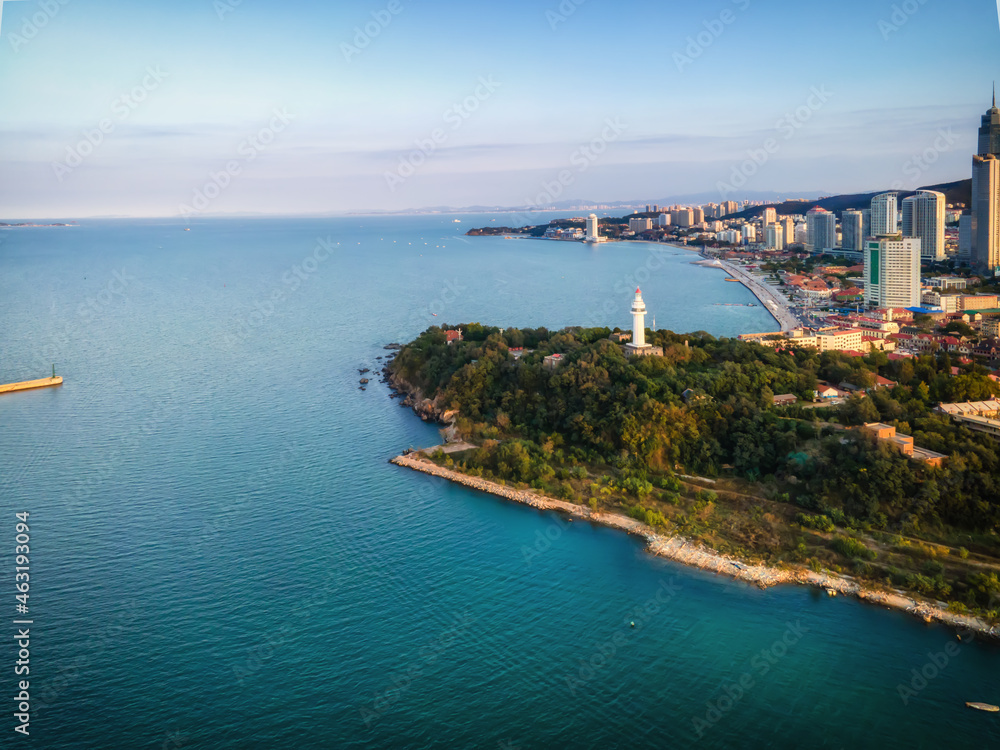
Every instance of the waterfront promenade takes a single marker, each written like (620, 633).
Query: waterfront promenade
(773, 300)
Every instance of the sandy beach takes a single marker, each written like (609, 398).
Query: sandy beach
(691, 553)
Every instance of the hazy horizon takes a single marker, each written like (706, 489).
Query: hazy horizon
(228, 107)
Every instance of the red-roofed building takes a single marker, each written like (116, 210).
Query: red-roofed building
(453, 336)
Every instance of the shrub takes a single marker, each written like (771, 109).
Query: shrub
(852, 548)
(820, 523)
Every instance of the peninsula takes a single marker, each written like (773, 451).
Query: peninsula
(716, 452)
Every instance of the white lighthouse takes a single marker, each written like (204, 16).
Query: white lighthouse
(639, 345)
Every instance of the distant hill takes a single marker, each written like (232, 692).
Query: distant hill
(959, 191)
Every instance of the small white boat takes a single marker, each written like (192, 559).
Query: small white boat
(988, 707)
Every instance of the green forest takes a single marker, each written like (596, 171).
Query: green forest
(793, 484)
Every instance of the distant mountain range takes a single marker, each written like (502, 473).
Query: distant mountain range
(959, 191)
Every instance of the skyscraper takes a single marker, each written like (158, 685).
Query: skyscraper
(866, 223)
(989, 131)
(985, 223)
(923, 217)
(884, 215)
(852, 225)
(821, 230)
(892, 271)
(592, 227)
(789, 224)
(770, 216)
(775, 236)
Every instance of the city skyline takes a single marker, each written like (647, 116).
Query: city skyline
(313, 126)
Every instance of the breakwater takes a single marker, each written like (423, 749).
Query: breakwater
(29, 385)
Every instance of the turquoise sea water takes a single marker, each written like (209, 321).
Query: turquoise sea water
(222, 558)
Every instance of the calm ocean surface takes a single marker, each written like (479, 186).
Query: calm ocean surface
(222, 558)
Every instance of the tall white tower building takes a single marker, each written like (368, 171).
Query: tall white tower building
(638, 346)
(592, 227)
(923, 217)
(892, 272)
(638, 321)
(821, 230)
(775, 237)
(885, 216)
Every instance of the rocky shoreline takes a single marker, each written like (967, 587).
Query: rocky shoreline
(687, 552)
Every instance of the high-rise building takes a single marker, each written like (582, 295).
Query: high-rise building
(640, 225)
(965, 238)
(592, 227)
(985, 222)
(892, 271)
(989, 131)
(821, 230)
(884, 215)
(749, 233)
(770, 216)
(866, 223)
(697, 215)
(682, 217)
(775, 236)
(923, 217)
(789, 224)
(852, 228)
(663, 220)
(730, 207)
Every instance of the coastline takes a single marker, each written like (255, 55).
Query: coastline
(685, 551)
(775, 304)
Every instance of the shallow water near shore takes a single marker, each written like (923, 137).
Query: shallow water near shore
(222, 556)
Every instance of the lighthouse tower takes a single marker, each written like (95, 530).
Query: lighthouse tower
(639, 345)
(638, 320)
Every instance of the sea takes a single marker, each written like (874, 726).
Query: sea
(221, 556)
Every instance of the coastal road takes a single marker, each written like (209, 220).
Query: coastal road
(774, 301)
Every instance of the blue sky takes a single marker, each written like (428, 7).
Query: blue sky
(211, 74)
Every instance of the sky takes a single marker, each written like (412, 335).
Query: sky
(245, 106)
